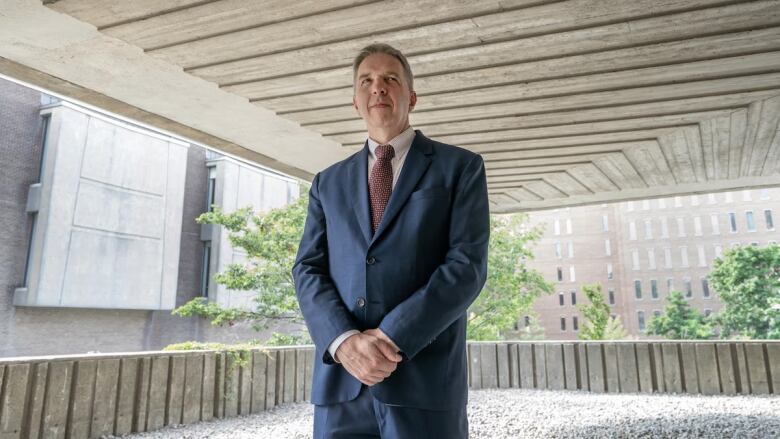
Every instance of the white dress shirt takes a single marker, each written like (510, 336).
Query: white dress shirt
(401, 144)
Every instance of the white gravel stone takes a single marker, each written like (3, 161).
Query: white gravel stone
(514, 413)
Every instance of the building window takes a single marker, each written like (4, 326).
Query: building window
(560, 274)
(661, 203)
(728, 197)
(572, 277)
(705, 287)
(694, 200)
(573, 297)
(635, 259)
(212, 188)
(638, 289)
(557, 246)
(697, 226)
(205, 272)
(605, 223)
(557, 227)
(575, 325)
(668, 257)
(653, 288)
(764, 194)
(641, 319)
(669, 285)
(770, 225)
(560, 298)
(754, 243)
(632, 230)
(751, 223)
(571, 249)
(681, 227)
(707, 312)
(718, 250)
(715, 224)
(651, 259)
(568, 226)
(645, 204)
(677, 201)
(607, 247)
(609, 272)
(527, 321)
(563, 323)
(648, 229)
(611, 294)
(702, 256)
(732, 222)
(711, 199)
(735, 245)
(688, 287)
(664, 227)
(684, 256)
(656, 313)
(746, 195)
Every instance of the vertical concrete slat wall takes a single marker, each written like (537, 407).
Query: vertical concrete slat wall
(96, 395)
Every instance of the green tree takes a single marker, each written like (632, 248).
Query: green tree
(271, 242)
(679, 321)
(511, 286)
(747, 280)
(598, 324)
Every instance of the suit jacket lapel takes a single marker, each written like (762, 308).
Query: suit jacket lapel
(359, 179)
(415, 165)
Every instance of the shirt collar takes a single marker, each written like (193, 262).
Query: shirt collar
(401, 143)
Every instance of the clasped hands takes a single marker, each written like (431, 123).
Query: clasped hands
(370, 356)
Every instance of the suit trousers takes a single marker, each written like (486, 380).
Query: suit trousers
(365, 417)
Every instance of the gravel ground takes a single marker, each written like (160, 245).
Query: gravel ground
(513, 413)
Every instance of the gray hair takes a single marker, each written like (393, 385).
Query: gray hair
(387, 49)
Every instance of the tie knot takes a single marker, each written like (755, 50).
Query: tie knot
(384, 152)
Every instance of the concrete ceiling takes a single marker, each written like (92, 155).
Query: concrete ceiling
(569, 102)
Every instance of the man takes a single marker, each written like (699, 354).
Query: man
(393, 252)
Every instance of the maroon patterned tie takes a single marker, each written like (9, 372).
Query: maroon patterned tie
(380, 183)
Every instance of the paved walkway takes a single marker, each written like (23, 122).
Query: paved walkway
(513, 413)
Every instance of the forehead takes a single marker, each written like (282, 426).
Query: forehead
(379, 63)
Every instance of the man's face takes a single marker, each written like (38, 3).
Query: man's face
(382, 95)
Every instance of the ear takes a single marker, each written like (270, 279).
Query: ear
(355, 105)
(412, 100)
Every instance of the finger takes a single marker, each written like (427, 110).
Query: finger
(388, 352)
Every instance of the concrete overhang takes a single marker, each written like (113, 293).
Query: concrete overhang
(569, 102)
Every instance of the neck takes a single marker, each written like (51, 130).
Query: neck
(385, 135)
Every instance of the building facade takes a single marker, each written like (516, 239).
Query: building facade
(639, 251)
(98, 237)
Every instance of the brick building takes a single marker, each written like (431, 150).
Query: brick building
(638, 251)
(98, 239)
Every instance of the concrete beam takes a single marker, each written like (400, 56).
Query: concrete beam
(56, 52)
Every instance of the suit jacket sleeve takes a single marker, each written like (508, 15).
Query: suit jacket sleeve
(455, 284)
(325, 313)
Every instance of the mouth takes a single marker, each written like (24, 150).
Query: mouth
(381, 105)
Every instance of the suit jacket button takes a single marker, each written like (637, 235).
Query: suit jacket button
(371, 260)
(361, 302)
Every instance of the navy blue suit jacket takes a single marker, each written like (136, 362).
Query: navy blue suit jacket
(415, 276)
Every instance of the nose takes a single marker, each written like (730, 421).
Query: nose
(378, 88)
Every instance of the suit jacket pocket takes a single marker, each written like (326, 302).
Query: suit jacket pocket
(430, 193)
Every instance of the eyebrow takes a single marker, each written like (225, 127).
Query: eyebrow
(391, 73)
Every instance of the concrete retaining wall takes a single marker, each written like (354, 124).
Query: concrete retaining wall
(90, 396)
